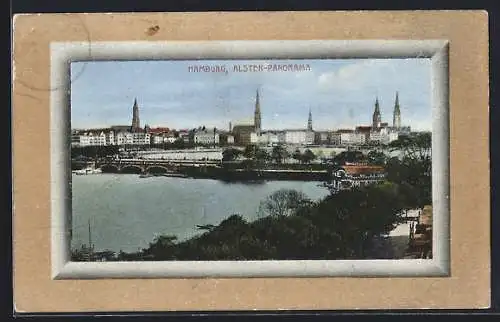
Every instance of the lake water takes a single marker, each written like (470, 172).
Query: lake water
(126, 212)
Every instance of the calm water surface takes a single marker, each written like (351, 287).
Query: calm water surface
(126, 212)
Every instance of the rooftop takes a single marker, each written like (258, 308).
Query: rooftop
(363, 169)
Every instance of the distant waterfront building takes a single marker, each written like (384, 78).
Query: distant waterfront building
(183, 135)
(124, 138)
(296, 136)
(91, 138)
(141, 138)
(206, 137)
(383, 135)
(226, 138)
(157, 139)
(110, 138)
(246, 132)
(348, 137)
(269, 138)
(365, 130)
(242, 133)
(321, 137)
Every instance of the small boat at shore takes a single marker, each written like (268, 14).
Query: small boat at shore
(169, 174)
(205, 227)
(146, 175)
(174, 175)
(87, 171)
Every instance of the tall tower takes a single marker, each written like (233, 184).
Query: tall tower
(377, 119)
(136, 124)
(396, 118)
(310, 121)
(257, 116)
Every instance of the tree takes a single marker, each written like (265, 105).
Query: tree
(261, 155)
(283, 202)
(349, 157)
(231, 154)
(297, 155)
(417, 146)
(308, 156)
(162, 247)
(279, 153)
(179, 144)
(250, 151)
(356, 216)
(375, 157)
(412, 172)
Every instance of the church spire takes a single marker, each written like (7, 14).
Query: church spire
(136, 124)
(257, 115)
(310, 121)
(377, 118)
(396, 118)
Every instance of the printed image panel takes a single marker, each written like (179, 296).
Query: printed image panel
(231, 160)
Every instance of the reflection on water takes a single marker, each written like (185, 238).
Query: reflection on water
(126, 212)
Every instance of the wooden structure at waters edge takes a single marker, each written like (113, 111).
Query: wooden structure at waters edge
(355, 175)
(420, 241)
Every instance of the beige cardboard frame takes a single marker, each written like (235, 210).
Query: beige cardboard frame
(468, 285)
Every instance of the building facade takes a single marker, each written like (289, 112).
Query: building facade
(206, 137)
(347, 137)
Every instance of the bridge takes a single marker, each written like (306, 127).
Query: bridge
(150, 165)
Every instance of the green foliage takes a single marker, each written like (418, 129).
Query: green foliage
(283, 202)
(279, 154)
(262, 156)
(250, 151)
(375, 157)
(304, 158)
(231, 154)
(412, 172)
(349, 156)
(308, 156)
(297, 155)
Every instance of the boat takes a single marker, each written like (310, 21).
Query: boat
(86, 171)
(205, 227)
(174, 175)
(146, 175)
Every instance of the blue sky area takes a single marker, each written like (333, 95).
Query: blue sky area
(340, 93)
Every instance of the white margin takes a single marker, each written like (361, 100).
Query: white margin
(63, 53)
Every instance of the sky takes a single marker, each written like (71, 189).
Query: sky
(340, 93)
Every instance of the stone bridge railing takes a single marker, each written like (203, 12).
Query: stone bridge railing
(144, 165)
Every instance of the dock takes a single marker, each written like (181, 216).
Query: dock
(420, 241)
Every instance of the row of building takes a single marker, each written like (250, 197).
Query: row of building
(245, 134)
(343, 137)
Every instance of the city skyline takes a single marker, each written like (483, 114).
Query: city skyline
(338, 93)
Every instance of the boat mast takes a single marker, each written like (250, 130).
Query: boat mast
(90, 243)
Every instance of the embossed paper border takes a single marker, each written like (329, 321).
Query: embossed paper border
(468, 286)
(63, 53)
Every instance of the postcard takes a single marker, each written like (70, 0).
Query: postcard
(216, 163)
